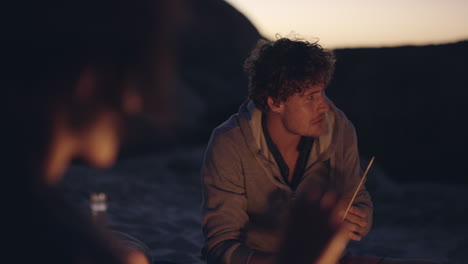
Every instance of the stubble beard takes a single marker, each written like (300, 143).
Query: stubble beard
(314, 131)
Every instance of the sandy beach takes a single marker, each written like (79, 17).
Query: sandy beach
(157, 197)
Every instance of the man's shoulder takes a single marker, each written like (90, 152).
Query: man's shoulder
(229, 130)
(340, 118)
(226, 140)
(227, 126)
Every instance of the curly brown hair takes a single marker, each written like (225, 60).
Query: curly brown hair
(286, 66)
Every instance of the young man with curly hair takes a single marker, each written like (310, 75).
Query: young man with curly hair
(287, 143)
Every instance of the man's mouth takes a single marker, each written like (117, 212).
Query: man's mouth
(317, 121)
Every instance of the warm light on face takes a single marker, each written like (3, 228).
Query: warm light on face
(304, 114)
(101, 140)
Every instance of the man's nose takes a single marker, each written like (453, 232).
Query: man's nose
(324, 106)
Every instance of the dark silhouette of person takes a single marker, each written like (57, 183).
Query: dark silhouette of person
(73, 72)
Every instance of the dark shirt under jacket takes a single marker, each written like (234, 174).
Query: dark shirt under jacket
(304, 147)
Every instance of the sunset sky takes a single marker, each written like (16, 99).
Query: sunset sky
(361, 23)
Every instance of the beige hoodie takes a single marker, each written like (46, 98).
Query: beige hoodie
(246, 200)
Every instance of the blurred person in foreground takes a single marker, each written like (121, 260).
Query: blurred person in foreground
(73, 72)
(287, 143)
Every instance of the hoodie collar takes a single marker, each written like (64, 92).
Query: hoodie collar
(251, 126)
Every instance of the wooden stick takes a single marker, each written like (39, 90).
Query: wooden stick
(359, 187)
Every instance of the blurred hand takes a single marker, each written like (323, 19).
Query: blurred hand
(356, 223)
(337, 243)
(315, 233)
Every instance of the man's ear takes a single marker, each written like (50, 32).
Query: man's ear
(276, 106)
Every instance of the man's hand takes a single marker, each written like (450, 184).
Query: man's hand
(356, 223)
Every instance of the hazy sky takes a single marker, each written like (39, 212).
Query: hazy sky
(361, 23)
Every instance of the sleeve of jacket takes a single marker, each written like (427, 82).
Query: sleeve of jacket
(353, 172)
(224, 203)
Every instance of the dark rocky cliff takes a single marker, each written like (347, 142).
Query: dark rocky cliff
(409, 104)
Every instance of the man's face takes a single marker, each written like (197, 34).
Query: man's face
(303, 113)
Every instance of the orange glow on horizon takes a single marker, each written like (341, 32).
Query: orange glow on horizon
(360, 23)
